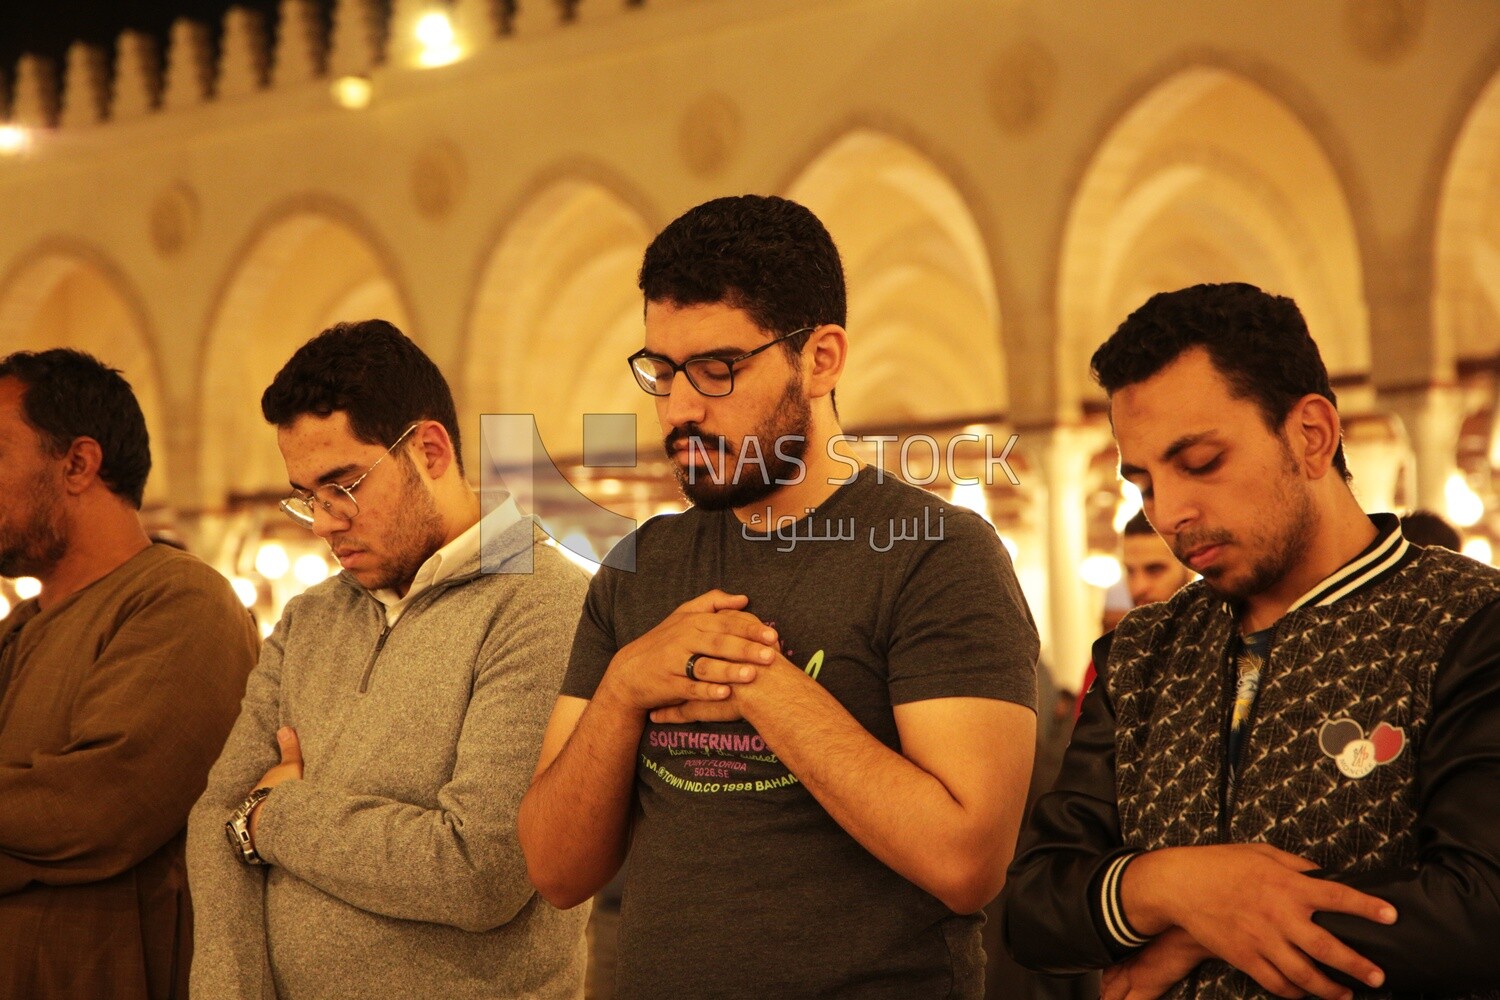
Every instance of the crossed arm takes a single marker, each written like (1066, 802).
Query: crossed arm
(145, 725)
(467, 870)
(1265, 911)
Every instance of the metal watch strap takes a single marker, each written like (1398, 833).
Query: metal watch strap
(237, 829)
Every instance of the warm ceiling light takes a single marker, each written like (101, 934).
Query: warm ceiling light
(310, 569)
(972, 496)
(1465, 508)
(352, 92)
(272, 562)
(245, 590)
(1099, 570)
(438, 39)
(14, 139)
(1128, 506)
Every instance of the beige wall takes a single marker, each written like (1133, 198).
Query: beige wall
(1006, 179)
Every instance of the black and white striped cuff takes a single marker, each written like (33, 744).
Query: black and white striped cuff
(1113, 908)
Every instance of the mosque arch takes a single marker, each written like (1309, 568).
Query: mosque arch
(924, 314)
(1209, 177)
(309, 264)
(67, 294)
(556, 311)
(1466, 301)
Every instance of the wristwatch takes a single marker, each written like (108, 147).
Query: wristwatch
(238, 828)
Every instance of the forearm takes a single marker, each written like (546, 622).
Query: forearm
(230, 958)
(1148, 897)
(1448, 902)
(457, 866)
(1155, 969)
(898, 811)
(1051, 917)
(139, 791)
(1443, 939)
(574, 821)
(14, 874)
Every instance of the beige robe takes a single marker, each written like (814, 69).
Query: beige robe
(113, 705)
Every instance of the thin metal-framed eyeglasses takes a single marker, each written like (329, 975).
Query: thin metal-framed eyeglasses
(337, 500)
(710, 376)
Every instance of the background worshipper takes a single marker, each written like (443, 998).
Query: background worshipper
(392, 723)
(118, 685)
(1281, 783)
(817, 754)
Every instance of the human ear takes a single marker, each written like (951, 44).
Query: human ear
(1315, 432)
(434, 448)
(81, 464)
(828, 349)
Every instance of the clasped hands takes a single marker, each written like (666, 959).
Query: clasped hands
(731, 649)
(1248, 904)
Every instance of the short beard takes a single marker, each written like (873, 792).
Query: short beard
(782, 438)
(1284, 546)
(42, 541)
(418, 532)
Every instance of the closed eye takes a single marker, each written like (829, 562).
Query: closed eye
(1206, 467)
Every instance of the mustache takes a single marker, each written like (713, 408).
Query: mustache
(1192, 541)
(693, 433)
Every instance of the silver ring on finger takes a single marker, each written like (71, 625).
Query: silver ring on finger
(692, 662)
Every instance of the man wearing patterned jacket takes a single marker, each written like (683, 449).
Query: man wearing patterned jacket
(1284, 782)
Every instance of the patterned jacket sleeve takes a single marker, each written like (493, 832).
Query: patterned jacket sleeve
(1060, 909)
(1448, 904)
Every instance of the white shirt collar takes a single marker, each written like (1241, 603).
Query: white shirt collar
(446, 562)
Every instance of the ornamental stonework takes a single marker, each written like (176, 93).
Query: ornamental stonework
(173, 219)
(710, 134)
(1022, 86)
(438, 179)
(1384, 30)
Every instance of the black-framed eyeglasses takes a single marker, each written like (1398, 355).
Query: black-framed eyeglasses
(710, 376)
(337, 500)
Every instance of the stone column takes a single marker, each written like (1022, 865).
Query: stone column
(1375, 449)
(1432, 416)
(1062, 453)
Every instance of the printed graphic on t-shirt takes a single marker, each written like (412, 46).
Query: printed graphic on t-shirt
(1249, 661)
(709, 758)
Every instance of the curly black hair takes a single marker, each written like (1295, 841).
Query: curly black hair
(69, 395)
(1257, 341)
(373, 373)
(766, 255)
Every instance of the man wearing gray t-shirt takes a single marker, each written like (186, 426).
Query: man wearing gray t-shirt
(808, 709)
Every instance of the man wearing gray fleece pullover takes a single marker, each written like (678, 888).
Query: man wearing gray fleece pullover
(391, 726)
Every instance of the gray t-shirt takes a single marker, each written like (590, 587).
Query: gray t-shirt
(738, 883)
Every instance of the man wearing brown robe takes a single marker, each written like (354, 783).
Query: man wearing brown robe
(118, 685)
